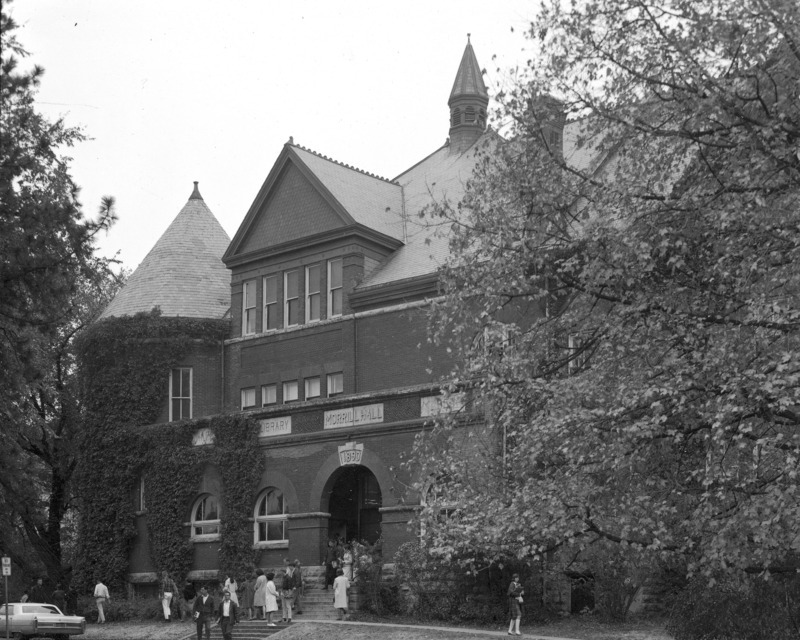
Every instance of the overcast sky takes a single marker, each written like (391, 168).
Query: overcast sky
(173, 91)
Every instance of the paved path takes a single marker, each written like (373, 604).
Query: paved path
(474, 632)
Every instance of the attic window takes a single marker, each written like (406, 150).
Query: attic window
(455, 118)
(469, 115)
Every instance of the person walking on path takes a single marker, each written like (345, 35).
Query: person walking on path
(514, 592)
(232, 586)
(203, 613)
(272, 599)
(166, 589)
(59, 598)
(227, 614)
(101, 597)
(187, 606)
(340, 587)
(260, 594)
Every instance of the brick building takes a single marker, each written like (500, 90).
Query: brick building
(326, 284)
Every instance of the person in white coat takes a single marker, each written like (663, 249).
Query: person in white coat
(272, 599)
(340, 587)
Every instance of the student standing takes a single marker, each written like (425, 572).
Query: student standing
(101, 597)
(260, 594)
(514, 592)
(189, 594)
(272, 599)
(340, 587)
(59, 598)
(166, 589)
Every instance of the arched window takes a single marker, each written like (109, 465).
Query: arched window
(270, 517)
(455, 117)
(205, 517)
(469, 115)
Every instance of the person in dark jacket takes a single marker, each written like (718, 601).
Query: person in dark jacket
(37, 592)
(59, 598)
(227, 615)
(204, 613)
(187, 605)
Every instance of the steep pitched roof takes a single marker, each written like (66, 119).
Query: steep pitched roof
(343, 195)
(183, 274)
(469, 79)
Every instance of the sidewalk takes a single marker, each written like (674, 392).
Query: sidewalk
(474, 632)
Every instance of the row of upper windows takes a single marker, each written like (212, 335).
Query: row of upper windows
(291, 390)
(289, 301)
(269, 516)
(180, 392)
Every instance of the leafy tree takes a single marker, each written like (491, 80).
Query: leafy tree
(625, 305)
(51, 286)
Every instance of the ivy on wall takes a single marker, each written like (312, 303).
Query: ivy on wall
(124, 364)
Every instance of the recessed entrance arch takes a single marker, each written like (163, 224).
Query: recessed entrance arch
(354, 504)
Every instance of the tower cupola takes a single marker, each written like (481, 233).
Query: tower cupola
(468, 102)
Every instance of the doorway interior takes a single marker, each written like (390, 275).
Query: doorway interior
(354, 505)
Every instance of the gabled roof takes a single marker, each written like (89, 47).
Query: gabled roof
(352, 198)
(440, 177)
(183, 274)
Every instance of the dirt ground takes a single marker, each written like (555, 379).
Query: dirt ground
(577, 628)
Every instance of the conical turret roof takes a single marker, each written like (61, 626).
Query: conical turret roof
(183, 274)
(469, 79)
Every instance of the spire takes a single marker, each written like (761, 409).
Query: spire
(468, 102)
(183, 274)
(196, 193)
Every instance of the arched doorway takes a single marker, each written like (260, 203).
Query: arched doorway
(354, 505)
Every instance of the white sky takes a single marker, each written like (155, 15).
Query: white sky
(180, 90)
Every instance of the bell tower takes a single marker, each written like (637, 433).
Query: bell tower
(468, 103)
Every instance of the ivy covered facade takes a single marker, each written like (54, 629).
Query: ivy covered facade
(254, 397)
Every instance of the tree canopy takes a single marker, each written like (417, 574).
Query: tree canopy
(623, 294)
(51, 285)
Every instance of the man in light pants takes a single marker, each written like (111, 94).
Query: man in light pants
(165, 592)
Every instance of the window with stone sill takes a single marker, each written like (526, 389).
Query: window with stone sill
(270, 523)
(205, 523)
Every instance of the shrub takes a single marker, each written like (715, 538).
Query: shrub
(121, 609)
(731, 610)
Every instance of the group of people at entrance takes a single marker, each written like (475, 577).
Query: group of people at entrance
(266, 596)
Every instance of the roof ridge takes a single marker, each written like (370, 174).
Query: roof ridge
(342, 164)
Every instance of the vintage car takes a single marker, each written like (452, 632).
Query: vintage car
(38, 620)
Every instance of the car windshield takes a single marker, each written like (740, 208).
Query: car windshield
(40, 608)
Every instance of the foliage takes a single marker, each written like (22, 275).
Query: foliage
(51, 286)
(121, 609)
(754, 610)
(368, 573)
(119, 360)
(433, 588)
(624, 305)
